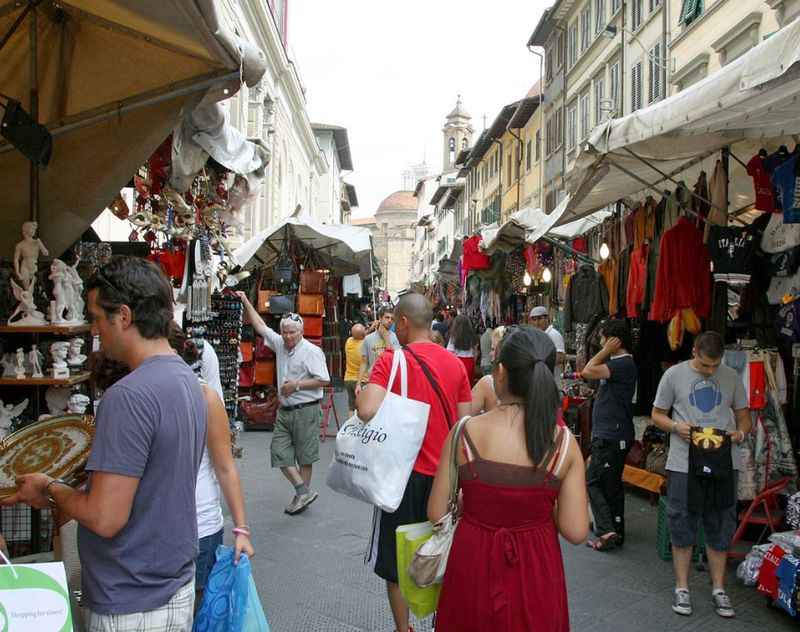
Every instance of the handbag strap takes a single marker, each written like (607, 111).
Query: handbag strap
(434, 385)
(456, 438)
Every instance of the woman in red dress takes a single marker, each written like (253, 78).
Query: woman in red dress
(462, 344)
(505, 570)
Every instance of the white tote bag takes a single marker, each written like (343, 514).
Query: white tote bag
(373, 461)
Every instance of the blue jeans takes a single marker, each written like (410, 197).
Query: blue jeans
(206, 558)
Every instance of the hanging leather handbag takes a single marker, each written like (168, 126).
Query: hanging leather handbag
(262, 409)
(312, 281)
(312, 326)
(281, 304)
(284, 272)
(262, 351)
(263, 296)
(311, 304)
(246, 349)
(247, 376)
(265, 372)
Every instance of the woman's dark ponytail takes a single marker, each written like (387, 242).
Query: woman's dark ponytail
(528, 356)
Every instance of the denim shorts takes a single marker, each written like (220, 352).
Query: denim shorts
(206, 558)
(719, 526)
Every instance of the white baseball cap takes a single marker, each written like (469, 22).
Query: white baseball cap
(538, 311)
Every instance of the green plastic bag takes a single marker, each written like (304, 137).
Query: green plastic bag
(421, 601)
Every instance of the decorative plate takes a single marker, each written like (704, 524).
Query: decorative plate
(58, 447)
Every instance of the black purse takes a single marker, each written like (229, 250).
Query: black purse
(284, 273)
(281, 304)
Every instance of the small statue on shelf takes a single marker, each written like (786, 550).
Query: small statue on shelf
(78, 403)
(26, 255)
(35, 359)
(76, 358)
(30, 315)
(62, 291)
(59, 351)
(76, 304)
(8, 413)
(19, 369)
(57, 399)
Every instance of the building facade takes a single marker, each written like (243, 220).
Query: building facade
(335, 198)
(393, 236)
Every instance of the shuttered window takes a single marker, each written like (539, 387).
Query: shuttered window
(636, 87)
(655, 87)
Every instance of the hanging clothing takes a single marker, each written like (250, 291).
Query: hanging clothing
(787, 186)
(762, 184)
(351, 285)
(608, 270)
(637, 281)
(684, 273)
(623, 270)
(718, 192)
(732, 250)
(473, 257)
(778, 236)
(700, 206)
(587, 297)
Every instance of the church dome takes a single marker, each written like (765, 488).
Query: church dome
(399, 201)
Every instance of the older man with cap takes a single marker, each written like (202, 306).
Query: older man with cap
(302, 374)
(540, 319)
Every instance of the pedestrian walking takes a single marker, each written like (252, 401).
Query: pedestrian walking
(702, 393)
(438, 378)
(302, 374)
(522, 487)
(484, 396)
(462, 343)
(487, 357)
(352, 354)
(540, 318)
(612, 432)
(137, 534)
(377, 342)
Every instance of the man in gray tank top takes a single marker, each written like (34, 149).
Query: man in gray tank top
(137, 559)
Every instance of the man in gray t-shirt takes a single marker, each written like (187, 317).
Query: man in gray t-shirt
(377, 342)
(700, 392)
(137, 518)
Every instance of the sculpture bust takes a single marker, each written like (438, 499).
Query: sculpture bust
(59, 352)
(76, 358)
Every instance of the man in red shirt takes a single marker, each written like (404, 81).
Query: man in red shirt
(449, 400)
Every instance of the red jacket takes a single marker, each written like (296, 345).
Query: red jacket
(637, 280)
(683, 277)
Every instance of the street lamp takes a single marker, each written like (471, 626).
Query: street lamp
(611, 32)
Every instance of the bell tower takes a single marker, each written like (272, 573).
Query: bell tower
(456, 135)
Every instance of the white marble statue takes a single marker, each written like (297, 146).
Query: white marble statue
(27, 306)
(59, 351)
(9, 362)
(57, 399)
(62, 291)
(35, 359)
(76, 304)
(26, 254)
(8, 413)
(76, 358)
(78, 403)
(19, 369)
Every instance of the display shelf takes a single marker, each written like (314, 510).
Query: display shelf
(77, 378)
(58, 330)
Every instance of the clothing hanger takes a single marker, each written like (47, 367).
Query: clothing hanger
(762, 152)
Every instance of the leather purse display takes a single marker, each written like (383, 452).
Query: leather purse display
(312, 326)
(284, 272)
(280, 304)
(262, 409)
(264, 372)
(246, 349)
(311, 304)
(262, 351)
(247, 376)
(312, 282)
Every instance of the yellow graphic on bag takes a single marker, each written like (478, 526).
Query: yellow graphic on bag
(707, 438)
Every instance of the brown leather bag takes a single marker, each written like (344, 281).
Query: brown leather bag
(311, 304)
(312, 282)
(246, 349)
(265, 372)
(312, 326)
(262, 409)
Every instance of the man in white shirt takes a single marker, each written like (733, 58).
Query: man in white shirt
(302, 374)
(540, 319)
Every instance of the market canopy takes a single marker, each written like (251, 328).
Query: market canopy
(526, 225)
(748, 104)
(341, 248)
(115, 77)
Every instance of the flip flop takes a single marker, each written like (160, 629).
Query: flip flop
(603, 544)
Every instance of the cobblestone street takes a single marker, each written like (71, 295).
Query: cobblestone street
(310, 573)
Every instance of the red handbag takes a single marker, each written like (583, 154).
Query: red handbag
(265, 372)
(246, 349)
(247, 376)
(312, 326)
(261, 411)
(262, 351)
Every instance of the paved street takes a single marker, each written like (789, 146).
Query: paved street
(310, 573)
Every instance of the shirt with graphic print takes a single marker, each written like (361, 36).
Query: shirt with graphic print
(699, 401)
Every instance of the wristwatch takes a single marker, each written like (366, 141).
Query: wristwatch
(297, 386)
(50, 498)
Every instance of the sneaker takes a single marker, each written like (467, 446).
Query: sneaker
(682, 602)
(722, 604)
(293, 506)
(303, 501)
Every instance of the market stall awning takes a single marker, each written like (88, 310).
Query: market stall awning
(114, 79)
(341, 248)
(526, 225)
(750, 103)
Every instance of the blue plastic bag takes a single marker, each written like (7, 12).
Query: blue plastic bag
(230, 601)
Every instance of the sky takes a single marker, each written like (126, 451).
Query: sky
(390, 71)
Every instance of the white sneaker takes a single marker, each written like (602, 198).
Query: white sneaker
(682, 602)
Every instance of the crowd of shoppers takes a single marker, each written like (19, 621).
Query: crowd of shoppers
(162, 441)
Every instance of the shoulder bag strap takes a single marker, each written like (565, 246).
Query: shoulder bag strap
(453, 500)
(434, 385)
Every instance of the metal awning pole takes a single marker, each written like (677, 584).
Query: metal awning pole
(372, 278)
(557, 243)
(641, 180)
(34, 94)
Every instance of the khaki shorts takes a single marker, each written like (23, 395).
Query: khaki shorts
(350, 387)
(175, 616)
(295, 439)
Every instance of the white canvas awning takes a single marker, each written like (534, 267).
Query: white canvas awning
(526, 225)
(115, 77)
(341, 248)
(750, 103)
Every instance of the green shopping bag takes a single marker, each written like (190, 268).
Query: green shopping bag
(421, 601)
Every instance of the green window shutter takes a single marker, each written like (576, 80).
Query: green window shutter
(691, 10)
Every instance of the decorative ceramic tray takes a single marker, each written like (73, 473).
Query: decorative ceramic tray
(58, 447)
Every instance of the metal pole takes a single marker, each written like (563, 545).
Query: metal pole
(372, 278)
(34, 94)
